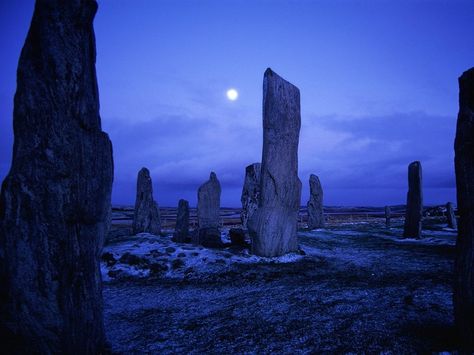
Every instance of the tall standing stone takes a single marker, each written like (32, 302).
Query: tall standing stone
(315, 203)
(388, 215)
(146, 218)
(181, 231)
(209, 204)
(55, 200)
(464, 165)
(273, 225)
(250, 192)
(414, 208)
(452, 222)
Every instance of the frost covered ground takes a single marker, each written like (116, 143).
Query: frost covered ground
(355, 287)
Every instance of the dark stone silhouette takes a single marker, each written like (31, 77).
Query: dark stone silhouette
(182, 222)
(237, 237)
(464, 165)
(452, 222)
(55, 200)
(209, 204)
(273, 225)
(315, 203)
(147, 213)
(250, 192)
(414, 209)
(388, 213)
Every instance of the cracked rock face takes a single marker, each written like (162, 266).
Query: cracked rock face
(209, 204)
(182, 222)
(414, 210)
(315, 203)
(55, 201)
(273, 225)
(464, 166)
(147, 213)
(250, 192)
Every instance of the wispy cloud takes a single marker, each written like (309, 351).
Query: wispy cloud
(370, 152)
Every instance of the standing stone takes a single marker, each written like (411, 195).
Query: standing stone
(55, 200)
(273, 225)
(250, 192)
(464, 165)
(388, 215)
(182, 222)
(452, 223)
(147, 213)
(414, 208)
(315, 203)
(209, 204)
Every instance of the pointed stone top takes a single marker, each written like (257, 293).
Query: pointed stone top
(415, 163)
(144, 171)
(269, 72)
(213, 176)
(313, 177)
(253, 166)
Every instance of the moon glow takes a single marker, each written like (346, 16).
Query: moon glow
(232, 94)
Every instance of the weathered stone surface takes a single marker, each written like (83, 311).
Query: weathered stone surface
(181, 231)
(464, 165)
(209, 204)
(56, 198)
(388, 213)
(209, 237)
(315, 203)
(452, 222)
(273, 225)
(250, 192)
(414, 209)
(147, 213)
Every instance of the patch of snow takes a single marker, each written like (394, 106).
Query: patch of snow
(179, 259)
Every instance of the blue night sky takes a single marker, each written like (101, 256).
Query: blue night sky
(378, 82)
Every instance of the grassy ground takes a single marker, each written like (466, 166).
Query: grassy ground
(358, 289)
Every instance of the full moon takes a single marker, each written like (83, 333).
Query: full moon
(232, 94)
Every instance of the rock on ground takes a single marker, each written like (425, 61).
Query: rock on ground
(209, 203)
(147, 213)
(273, 225)
(315, 203)
(55, 200)
(452, 222)
(464, 165)
(414, 210)
(182, 222)
(250, 192)
(388, 213)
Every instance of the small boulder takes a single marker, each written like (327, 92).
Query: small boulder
(237, 237)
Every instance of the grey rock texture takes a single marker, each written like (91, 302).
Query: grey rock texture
(209, 204)
(273, 225)
(452, 222)
(315, 203)
(464, 166)
(147, 213)
(55, 200)
(388, 213)
(250, 192)
(414, 210)
(181, 231)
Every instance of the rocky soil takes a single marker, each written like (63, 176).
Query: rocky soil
(354, 287)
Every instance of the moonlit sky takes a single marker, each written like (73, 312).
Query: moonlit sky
(378, 82)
